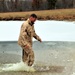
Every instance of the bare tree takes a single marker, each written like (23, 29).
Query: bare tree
(73, 3)
(36, 4)
(67, 3)
(51, 4)
(28, 5)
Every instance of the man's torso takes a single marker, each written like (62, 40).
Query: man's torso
(26, 33)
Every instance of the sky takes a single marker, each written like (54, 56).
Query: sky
(48, 30)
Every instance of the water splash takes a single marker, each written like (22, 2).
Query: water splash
(17, 67)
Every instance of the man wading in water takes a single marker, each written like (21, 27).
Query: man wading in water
(27, 32)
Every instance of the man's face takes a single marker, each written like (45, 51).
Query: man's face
(33, 19)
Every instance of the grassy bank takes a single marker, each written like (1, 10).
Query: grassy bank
(59, 14)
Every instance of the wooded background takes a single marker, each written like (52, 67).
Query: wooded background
(32, 5)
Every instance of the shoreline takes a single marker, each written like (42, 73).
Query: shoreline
(57, 14)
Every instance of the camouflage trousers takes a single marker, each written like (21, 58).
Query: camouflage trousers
(28, 56)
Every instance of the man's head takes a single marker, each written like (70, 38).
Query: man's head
(33, 18)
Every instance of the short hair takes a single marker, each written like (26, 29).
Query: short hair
(33, 15)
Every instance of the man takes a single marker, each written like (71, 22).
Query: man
(27, 32)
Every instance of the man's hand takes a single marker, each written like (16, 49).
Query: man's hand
(26, 46)
(40, 40)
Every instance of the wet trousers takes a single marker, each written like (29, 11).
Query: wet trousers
(28, 56)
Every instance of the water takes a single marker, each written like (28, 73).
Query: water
(51, 58)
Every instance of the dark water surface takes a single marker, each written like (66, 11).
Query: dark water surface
(51, 58)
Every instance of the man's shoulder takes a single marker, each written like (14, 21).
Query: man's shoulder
(25, 23)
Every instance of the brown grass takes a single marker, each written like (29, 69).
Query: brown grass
(59, 14)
